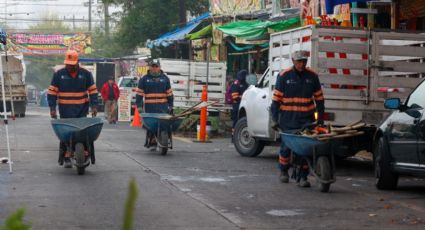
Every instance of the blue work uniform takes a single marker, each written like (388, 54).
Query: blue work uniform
(296, 97)
(237, 89)
(73, 95)
(154, 94)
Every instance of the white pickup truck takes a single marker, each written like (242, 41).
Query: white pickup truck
(358, 69)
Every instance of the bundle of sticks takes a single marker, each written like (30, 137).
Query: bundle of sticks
(330, 132)
(194, 108)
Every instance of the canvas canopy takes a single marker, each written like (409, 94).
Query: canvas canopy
(203, 33)
(178, 34)
(255, 29)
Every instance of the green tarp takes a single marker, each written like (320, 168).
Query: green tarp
(241, 48)
(205, 32)
(255, 29)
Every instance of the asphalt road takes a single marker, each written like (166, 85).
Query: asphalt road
(195, 186)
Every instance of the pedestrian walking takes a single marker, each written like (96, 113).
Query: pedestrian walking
(237, 89)
(110, 94)
(296, 97)
(74, 91)
(154, 95)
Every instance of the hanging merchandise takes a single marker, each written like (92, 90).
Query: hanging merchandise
(234, 7)
(330, 4)
(309, 8)
(217, 34)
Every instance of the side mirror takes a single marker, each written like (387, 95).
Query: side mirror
(392, 103)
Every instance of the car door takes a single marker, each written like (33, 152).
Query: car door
(417, 98)
(258, 111)
(421, 141)
(406, 126)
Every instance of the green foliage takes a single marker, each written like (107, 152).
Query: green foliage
(15, 221)
(130, 205)
(148, 19)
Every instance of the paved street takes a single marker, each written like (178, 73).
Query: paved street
(195, 186)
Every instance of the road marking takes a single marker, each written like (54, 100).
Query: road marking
(285, 212)
(193, 178)
(182, 139)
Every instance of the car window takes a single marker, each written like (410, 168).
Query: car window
(128, 82)
(264, 82)
(417, 98)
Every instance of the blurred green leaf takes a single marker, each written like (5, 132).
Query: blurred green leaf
(15, 221)
(130, 205)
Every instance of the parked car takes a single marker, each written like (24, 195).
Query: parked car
(129, 82)
(400, 140)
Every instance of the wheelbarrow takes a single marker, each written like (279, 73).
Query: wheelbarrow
(161, 125)
(318, 154)
(78, 134)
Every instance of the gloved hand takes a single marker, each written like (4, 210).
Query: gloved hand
(275, 125)
(93, 112)
(53, 114)
(170, 110)
(140, 109)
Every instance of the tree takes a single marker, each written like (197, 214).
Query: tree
(148, 19)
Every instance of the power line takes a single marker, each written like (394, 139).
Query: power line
(39, 4)
(50, 20)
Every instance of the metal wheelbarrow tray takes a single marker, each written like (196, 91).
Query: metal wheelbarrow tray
(77, 129)
(305, 146)
(161, 121)
(319, 156)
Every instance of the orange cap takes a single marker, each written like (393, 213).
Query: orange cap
(71, 57)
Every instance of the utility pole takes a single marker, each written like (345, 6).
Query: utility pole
(182, 12)
(89, 15)
(106, 6)
(73, 22)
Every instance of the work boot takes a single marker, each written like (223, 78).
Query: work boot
(284, 176)
(304, 183)
(67, 162)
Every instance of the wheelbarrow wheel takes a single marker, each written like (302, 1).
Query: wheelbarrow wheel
(80, 158)
(163, 140)
(324, 172)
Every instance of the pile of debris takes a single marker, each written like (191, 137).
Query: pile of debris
(328, 132)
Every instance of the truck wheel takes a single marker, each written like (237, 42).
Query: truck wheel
(245, 144)
(385, 178)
